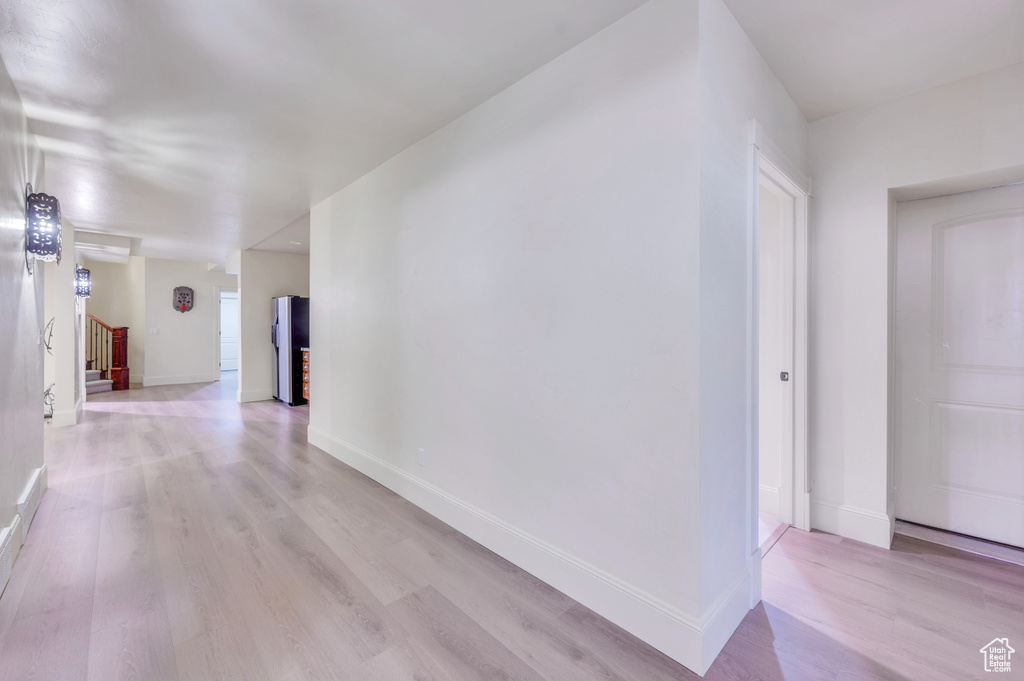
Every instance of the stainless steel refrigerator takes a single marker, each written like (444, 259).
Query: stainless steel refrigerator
(290, 333)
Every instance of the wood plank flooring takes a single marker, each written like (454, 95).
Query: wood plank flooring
(186, 537)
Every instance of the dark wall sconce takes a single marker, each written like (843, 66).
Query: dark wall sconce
(42, 227)
(83, 283)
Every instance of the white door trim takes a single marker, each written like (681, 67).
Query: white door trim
(767, 161)
(221, 292)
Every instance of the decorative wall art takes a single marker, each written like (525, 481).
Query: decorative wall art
(184, 297)
(48, 401)
(48, 336)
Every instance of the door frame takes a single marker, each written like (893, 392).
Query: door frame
(221, 290)
(766, 160)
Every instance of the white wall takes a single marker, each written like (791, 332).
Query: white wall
(21, 309)
(736, 87)
(770, 330)
(64, 367)
(517, 295)
(965, 135)
(263, 275)
(119, 299)
(185, 346)
(550, 297)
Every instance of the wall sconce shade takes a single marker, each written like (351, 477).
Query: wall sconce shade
(83, 283)
(42, 226)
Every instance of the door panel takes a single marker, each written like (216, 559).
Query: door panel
(959, 394)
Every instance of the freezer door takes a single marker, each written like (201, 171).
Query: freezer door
(283, 391)
(275, 331)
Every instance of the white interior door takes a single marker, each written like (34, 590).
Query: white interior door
(959, 383)
(229, 332)
(775, 350)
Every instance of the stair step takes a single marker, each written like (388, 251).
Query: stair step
(92, 374)
(98, 386)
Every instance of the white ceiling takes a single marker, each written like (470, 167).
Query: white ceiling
(836, 55)
(198, 127)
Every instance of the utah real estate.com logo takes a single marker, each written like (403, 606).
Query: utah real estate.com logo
(997, 655)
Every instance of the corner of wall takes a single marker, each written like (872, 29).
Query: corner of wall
(725, 615)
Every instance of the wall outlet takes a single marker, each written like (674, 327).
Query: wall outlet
(421, 457)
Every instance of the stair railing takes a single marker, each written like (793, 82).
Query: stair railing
(106, 350)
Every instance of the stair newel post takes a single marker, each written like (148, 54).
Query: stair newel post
(119, 358)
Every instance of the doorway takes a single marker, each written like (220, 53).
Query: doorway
(780, 494)
(229, 332)
(774, 343)
(959, 363)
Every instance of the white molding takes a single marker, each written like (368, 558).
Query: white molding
(870, 527)
(255, 395)
(768, 499)
(774, 154)
(178, 380)
(64, 418)
(802, 511)
(725, 615)
(681, 636)
(754, 575)
(7, 545)
(18, 529)
(30, 498)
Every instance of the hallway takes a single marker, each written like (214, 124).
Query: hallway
(185, 536)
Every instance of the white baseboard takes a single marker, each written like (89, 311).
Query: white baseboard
(870, 527)
(178, 380)
(754, 574)
(255, 395)
(768, 500)
(64, 418)
(691, 641)
(12, 537)
(7, 543)
(802, 511)
(28, 502)
(721, 620)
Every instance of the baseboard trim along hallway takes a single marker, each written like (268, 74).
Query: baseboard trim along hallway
(13, 537)
(680, 636)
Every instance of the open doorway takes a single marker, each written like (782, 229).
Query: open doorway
(774, 447)
(781, 490)
(228, 334)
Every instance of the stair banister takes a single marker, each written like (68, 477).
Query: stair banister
(107, 351)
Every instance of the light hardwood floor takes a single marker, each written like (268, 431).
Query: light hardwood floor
(187, 537)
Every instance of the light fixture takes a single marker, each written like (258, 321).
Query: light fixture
(42, 227)
(83, 283)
